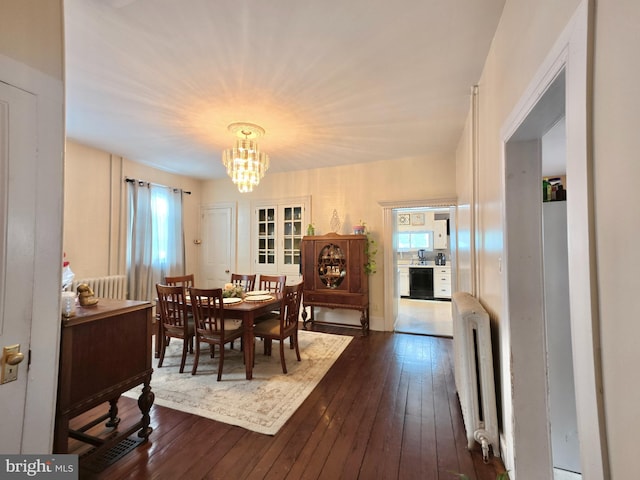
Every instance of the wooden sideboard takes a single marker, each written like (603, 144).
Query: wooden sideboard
(333, 267)
(105, 350)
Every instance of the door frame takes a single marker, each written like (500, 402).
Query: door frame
(388, 227)
(42, 373)
(525, 397)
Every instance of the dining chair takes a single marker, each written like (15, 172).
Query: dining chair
(272, 283)
(247, 282)
(284, 326)
(210, 325)
(175, 320)
(185, 281)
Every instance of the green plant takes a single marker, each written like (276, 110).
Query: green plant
(311, 230)
(370, 251)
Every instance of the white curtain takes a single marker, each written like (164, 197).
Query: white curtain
(155, 239)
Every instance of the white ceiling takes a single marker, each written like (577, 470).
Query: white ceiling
(332, 82)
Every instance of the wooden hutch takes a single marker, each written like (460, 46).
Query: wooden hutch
(333, 267)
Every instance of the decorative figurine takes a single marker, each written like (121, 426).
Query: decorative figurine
(86, 296)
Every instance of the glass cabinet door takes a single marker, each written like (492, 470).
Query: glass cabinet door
(266, 236)
(277, 242)
(292, 235)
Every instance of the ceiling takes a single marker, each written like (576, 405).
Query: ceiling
(332, 82)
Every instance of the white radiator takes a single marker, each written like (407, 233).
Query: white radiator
(110, 286)
(474, 371)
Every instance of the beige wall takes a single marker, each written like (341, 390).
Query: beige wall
(94, 230)
(616, 177)
(19, 22)
(354, 192)
(524, 37)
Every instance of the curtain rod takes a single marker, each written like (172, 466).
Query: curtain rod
(133, 180)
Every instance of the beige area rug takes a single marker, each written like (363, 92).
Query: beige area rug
(262, 404)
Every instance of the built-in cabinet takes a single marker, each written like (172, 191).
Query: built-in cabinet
(440, 234)
(403, 281)
(279, 228)
(442, 282)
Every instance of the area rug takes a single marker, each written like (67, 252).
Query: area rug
(262, 404)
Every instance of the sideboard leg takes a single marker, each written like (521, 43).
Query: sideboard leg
(113, 413)
(364, 321)
(145, 401)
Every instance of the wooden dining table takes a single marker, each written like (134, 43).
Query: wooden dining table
(248, 311)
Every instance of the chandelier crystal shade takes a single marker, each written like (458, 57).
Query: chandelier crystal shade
(245, 163)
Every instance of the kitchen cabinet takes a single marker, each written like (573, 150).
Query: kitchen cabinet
(403, 281)
(442, 282)
(333, 267)
(440, 234)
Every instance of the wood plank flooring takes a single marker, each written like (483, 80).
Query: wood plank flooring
(387, 409)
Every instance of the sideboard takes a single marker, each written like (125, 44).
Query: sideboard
(105, 350)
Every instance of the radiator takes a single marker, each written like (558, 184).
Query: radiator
(110, 286)
(473, 363)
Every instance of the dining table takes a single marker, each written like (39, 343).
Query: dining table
(248, 310)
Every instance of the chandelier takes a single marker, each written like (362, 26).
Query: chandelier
(245, 164)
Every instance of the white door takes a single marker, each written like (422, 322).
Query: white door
(218, 245)
(18, 118)
(565, 444)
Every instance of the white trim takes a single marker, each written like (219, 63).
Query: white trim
(571, 52)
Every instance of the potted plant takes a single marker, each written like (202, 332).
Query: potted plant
(370, 248)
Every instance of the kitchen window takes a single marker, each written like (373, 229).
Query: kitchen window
(408, 241)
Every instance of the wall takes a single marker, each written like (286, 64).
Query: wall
(616, 174)
(31, 32)
(526, 33)
(354, 192)
(94, 230)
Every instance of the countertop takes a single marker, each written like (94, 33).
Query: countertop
(402, 264)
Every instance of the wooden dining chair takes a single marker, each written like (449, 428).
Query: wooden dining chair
(185, 281)
(272, 283)
(210, 325)
(247, 282)
(285, 325)
(175, 320)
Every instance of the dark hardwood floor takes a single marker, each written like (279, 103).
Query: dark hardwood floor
(387, 409)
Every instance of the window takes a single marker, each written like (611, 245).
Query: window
(155, 243)
(415, 241)
(279, 228)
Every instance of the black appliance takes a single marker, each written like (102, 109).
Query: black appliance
(441, 259)
(421, 283)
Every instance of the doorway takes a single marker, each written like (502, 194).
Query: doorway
(409, 227)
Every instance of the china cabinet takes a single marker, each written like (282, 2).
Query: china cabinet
(333, 267)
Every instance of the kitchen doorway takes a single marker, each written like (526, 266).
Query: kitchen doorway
(419, 268)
